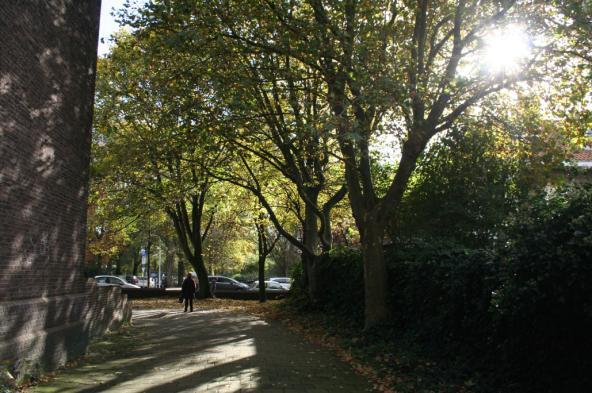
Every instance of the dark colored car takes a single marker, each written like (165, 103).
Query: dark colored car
(132, 279)
(221, 283)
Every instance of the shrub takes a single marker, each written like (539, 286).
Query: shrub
(543, 309)
(442, 293)
(342, 277)
(521, 313)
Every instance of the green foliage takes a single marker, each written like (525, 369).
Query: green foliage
(462, 190)
(289, 99)
(470, 181)
(523, 312)
(442, 293)
(341, 278)
(543, 308)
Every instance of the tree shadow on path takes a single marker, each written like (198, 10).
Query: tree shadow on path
(210, 351)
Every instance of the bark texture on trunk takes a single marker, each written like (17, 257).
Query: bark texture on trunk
(376, 311)
(311, 241)
(202, 277)
(135, 262)
(169, 266)
(189, 234)
(180, 269)
(312, 271)
(262, 292)
(264, 247)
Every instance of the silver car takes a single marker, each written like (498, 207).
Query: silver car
(270, 286)
(227, 284)
(285, 282)
(110, 281)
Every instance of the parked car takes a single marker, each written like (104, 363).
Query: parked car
(270, 286)
(285, 282)
(132, 279)
(109, 281)
(222, 283)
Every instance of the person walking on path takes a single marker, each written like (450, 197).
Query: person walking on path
(188, 291)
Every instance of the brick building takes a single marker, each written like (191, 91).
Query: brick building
(47, 68)
(583, 158)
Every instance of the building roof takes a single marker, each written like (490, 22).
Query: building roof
(583, 155)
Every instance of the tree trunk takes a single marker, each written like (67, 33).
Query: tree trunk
(305, 264)
(148, 264)
(311, 271)
(98, 264)
(180, 270)
(202, 276)
(311, 241)
(376, 310)
(169, 265)
(189, 236)
(135, 262)
(118, 265)
(262, 292)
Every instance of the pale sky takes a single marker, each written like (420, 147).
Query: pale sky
(108, 25)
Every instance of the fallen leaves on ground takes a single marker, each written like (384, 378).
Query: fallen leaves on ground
(252, 307)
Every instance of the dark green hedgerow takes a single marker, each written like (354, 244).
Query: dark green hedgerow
(520, 316)
(543, 307)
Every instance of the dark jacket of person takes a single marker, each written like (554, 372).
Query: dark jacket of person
(188, 288)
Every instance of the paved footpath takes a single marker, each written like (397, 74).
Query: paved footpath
(207, 351)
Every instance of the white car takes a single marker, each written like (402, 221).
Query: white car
(285, 282)
(109, 281)
(270, 286)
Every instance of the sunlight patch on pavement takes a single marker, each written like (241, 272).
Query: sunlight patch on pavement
(208, 370)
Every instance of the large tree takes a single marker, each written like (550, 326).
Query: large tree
(274, 113)
(386, 66)
(156, 143)
(409, 69)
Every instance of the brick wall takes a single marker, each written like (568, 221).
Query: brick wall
(46, 88)
(50, 331)
(47, 72)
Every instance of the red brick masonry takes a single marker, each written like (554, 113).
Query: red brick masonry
(583, 155)
(48, 312)
(50, 331)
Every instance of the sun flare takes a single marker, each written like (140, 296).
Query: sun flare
(506, 50)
